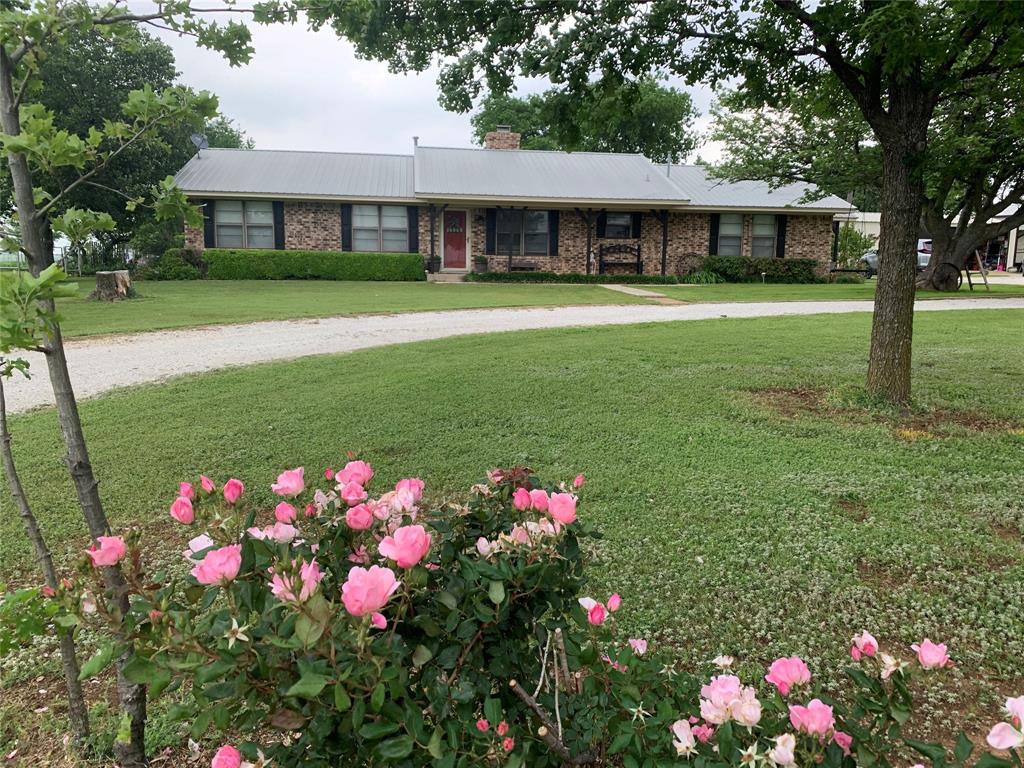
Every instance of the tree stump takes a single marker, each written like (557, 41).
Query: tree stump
(113, 286)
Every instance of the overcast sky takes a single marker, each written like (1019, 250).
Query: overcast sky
(307, 90)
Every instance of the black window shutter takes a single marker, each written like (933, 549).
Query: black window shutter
(413, 212)
(491, 235)
(602, 223)
(346, 226)
(553, 233)
(713, 244)
(209, 236)
(278, 225)
(780, 236)
(637, 218)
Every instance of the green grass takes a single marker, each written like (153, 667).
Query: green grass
(816, 292)
(175, 304)
(730, 527)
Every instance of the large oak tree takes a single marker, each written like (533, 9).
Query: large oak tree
(898, 61)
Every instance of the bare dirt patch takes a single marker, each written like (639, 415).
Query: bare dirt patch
(793, 402)
(855, 510)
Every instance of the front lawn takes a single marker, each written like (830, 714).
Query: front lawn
(750, 504)
(183, 304)
(818, 292)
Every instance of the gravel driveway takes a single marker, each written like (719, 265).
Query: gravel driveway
(104, 363)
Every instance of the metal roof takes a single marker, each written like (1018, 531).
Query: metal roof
(483, 175)
(702, 190)
(522, 174)
(298, 174)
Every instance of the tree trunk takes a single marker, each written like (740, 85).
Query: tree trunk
(38, 246)
(112, 286)
(893, 321)
(78, 713)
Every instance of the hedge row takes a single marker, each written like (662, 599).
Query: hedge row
(174, 264)
(744, 269)
(552, 277)
(254, 264)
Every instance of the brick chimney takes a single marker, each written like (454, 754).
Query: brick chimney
(503, 137)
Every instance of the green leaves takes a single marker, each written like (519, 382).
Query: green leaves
(308, 686)
(24, 322)
(100, 661)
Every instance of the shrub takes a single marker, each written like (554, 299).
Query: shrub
(852, 245)
(702, 277)
(553, 277)
(256, 264)
(847, 278)
(174, 264)
(745, 269)
(379, 631)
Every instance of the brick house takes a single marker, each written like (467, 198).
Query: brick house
(517, 209)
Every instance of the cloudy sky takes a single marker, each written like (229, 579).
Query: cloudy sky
(307, 90)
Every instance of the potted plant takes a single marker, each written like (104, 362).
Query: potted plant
(480, 264)
(433, 264)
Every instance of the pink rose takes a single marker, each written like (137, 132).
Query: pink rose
(539, 499)
(353, 493)
(863, 645)
(785, 673)
(355, 472)
(284, 513)
(407, 546)
(520, 536)
(684, 742)
(597, 615)
(521, 499)
(279, 533)
(328, 474)
(717, 697)
(227, 757)
(563, 508)
(181, 510)
(508, 744)
(291, 482)
(578, 482)
(310, 510)
(502, 728)
(368, 590)
(816, 719)
(703, 733)
(482, 725)
(233, 490)
(378, 621)
(412, 485)
(186, 490)
(844, 740)
(746, 710)
(1015, 709)
(638, 645)
(931, 655)
(110, 551)
(783, 754)
(359, 517)
(219, 566)
(206, 484)
(1004, 736)
(484, 546)
(614, 602)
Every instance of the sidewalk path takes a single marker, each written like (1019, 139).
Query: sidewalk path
(105, 363)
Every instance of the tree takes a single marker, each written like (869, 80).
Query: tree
(38, 151)
(643, 117)
(898, 62)
(84, 80)
(973, 165)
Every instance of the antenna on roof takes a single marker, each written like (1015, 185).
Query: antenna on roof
(415, 141)
(201, 142)
(668, 167)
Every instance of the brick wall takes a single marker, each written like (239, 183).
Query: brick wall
(317, 226)
(312, 226)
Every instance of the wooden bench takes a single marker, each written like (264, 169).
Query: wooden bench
(618, 254)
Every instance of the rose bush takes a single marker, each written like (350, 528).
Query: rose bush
(343, 628)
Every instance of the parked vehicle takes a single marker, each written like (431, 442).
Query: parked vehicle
(869, 261)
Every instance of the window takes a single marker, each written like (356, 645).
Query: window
(244, 224)
(380, 228)
(763, 241)
(521, 233)
(619, 226)
(730, 233)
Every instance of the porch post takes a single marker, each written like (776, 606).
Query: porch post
(663, 216)
(588, 220)
(433, 233)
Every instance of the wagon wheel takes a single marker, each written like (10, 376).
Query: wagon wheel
(947, 277)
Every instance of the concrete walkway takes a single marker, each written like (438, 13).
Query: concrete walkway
(104, 363)
(657, 298)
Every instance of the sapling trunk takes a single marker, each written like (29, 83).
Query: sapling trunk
(78, 713)
(38, 246)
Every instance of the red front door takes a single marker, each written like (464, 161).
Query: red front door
(454, 240)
